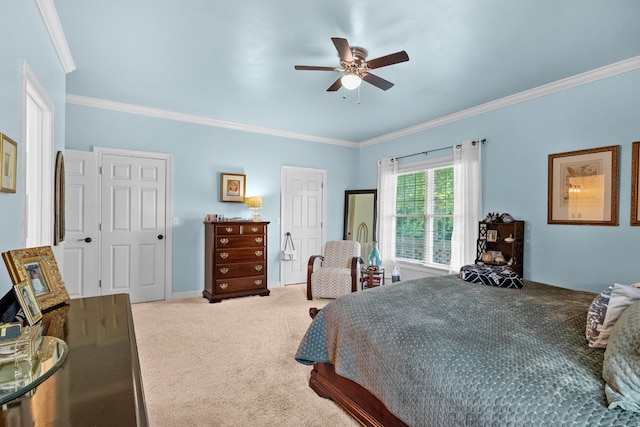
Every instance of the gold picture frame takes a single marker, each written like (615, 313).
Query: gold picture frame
(583, 187)
(492, 235)
(635, 184)
(232, 187)
(24, 293)
(8, 164)
(39, 268)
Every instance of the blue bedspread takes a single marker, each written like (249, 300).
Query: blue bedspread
(442, 351)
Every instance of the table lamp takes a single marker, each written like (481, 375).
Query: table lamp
(255, 203)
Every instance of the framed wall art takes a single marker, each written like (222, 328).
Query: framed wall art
(232, 187)
(583, 187)
(27, 300)
(38, 267)
(8, 164)
(635, 184)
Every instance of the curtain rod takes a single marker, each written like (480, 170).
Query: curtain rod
(426, 153)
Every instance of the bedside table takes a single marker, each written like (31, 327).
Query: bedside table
(372, 278)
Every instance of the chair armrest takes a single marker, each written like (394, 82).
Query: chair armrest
(312, 261)
(356, 272)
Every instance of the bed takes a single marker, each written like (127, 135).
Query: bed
(443, 351)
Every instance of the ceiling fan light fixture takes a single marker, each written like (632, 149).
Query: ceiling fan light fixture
(351, 81)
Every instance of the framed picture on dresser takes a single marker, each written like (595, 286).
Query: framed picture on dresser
(38, 267)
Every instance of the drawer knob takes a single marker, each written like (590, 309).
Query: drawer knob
(258, 239)
(224, 270)
(224, 255)
(258, 282)
(258, 253)
(254, 229)
(258, 268)
(223, 285)
(224, 240)
(229, 229)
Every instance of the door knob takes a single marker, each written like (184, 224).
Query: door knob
(160, 237)
(86, 239)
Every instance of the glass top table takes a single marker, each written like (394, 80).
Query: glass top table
(19, 374)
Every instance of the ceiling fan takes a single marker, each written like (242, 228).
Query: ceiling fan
(356, 68)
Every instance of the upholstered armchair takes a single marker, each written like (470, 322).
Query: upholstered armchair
(339, 270)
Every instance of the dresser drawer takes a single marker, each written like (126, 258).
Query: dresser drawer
(254, 229)
(240, 284)
(224, 256)
(230, 228)
(240, 241)
(223, 271)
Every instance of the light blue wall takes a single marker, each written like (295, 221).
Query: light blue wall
(519, 140)
(24, 38)
(200, 154)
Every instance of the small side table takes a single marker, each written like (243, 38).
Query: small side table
(372, 278)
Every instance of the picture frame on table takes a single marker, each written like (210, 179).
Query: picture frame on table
(27, 300)
(635, 184)
(8, 164)
(39, 268)
(583, 187)
(492, 235)
(232, 187)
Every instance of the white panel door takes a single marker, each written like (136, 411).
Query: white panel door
(81, 225)
(302, 216)
(133, 226)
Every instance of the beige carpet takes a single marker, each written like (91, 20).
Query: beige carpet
(230, 363)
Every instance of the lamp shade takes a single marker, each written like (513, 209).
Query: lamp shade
(254, 202)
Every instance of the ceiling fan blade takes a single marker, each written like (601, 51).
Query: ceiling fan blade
(378, 82)
(383, 61)
(343, 48)
(336, 85)
(314, 68)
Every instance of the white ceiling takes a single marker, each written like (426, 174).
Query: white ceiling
(233, 60)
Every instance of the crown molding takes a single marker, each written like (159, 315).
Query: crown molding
(557, 86)
(200, 120)
(52, 22)
(560, 85)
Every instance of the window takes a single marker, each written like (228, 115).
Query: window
(424, 215)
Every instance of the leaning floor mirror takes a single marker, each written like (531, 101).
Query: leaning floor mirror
(360, 215)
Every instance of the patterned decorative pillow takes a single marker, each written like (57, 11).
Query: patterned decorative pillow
(500, 276)
(621, 370)
(596, 317)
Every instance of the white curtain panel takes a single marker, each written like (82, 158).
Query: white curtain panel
(467, 201)
(387, 169)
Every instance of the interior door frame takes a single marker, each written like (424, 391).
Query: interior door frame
(283, 195)
(168, 254)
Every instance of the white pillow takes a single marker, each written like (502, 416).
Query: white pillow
(622, 296)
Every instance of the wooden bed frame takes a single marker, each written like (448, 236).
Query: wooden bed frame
(353, 398)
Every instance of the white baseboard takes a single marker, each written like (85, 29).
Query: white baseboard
(187, 294)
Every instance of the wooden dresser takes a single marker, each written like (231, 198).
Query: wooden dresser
(100, 383)
(235, 254)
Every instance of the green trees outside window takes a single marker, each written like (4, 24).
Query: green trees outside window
(424, 215)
